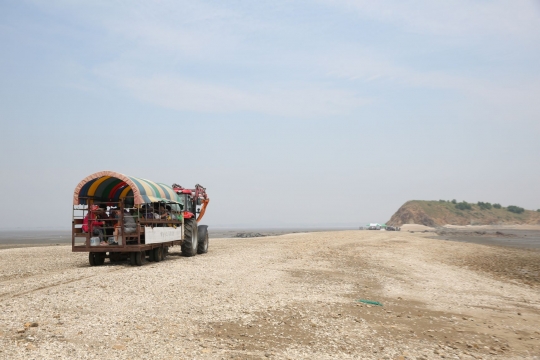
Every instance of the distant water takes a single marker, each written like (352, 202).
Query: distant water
(514, 238)
(23, 238)
(525, 239)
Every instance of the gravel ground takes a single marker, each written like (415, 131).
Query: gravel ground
(291, 296)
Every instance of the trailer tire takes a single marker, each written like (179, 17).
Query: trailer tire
(132, 260)
(189, 245)
(140, 258)
(92, 258)
(157, 254)
(202, 246)
(164, 252)
(114, 257)
(100, 258)
(96, 258)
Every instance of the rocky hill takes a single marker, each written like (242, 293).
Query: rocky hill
(439, 213)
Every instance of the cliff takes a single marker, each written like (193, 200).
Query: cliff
(439, 213)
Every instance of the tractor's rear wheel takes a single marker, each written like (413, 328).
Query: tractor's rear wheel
(189, 245)
(202, 246)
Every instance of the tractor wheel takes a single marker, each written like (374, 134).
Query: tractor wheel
(157, 254)
(189, 245)
(202, 246)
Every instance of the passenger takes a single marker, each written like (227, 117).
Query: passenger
(129, 225)
(157, 212)
(107, 221)
(179, 215)
(135, 213)
(166, 214)
(91, 224)
(116, 215)
(146, 212)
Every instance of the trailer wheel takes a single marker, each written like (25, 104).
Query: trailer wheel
(202, 246)
(92, 258)
(189, 245)
(164, 252)
(132, 260)
(140, 258)
(157, 254)
(100, 258)
(114, 257)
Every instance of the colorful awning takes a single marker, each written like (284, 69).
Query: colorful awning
(105, 186)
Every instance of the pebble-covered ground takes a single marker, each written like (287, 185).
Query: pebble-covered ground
(292, 296)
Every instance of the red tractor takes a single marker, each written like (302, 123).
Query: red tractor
(194, 202)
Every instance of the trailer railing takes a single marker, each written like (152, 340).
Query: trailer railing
(114, 227)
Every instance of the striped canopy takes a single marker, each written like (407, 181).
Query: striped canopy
(111, 186)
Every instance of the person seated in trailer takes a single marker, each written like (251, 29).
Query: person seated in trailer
(180, 214)
(115, 214)
(129, 225)
(147, 212)
(108, 225)
(166, 214)
(91, 223)
(135, 213)
(157, 211)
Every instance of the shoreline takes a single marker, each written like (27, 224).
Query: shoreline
(511, 236)
(12, 239)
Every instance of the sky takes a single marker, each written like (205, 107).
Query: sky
(323, 113)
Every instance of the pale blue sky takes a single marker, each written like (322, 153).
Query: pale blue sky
(291, 113)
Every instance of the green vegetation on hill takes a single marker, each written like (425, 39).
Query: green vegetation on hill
(515, 209)
(442, 212)
(483, 205)
(463, 206)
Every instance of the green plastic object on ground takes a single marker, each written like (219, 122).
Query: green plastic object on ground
(370, 302)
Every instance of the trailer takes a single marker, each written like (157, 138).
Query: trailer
(122, 217)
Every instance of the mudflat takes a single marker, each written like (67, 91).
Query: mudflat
(291, 296)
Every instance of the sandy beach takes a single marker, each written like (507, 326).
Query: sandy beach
(291, 296)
